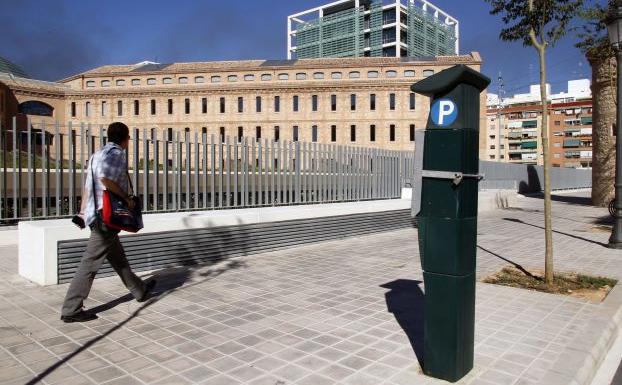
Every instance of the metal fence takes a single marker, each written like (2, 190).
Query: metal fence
(44, 168)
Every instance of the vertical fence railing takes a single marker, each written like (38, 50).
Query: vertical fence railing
(44, 168)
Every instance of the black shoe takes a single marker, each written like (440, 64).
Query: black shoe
(148, 291)
(81, 316)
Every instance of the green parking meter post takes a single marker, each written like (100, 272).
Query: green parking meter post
(447, 218)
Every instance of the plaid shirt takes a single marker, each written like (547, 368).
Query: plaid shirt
(110, 163)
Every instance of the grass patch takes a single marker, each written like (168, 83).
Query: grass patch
(576, 285)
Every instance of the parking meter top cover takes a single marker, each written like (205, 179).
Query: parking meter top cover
(446, 80)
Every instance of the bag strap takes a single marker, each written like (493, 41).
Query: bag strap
(94, 191)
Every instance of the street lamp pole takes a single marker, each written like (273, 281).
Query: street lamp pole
(614, 25)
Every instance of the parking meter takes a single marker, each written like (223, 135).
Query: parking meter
(446, 205)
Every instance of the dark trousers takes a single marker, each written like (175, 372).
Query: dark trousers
(102, 244)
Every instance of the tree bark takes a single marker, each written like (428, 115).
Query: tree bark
(603, 123)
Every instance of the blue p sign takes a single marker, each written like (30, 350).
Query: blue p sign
(444, 112)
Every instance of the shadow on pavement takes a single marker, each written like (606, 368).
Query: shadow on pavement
(575, 200)
(168, 283)
(516, 265)
(556, 231)
(405, 300)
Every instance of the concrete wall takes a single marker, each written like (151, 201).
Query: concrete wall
(528, 179)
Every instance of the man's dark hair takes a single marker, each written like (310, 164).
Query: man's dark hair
(118, 132)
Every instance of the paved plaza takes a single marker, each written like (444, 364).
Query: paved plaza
(339, 312)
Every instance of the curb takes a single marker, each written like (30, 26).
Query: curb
(582, 358)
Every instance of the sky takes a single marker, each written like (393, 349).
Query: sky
(53, 39)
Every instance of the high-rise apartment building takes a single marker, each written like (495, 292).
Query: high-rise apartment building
(357, 28)
(514, 127)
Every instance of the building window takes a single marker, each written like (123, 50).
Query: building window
(372, 102)
(333, 133)
(283, 77)
(412, 132)
(372, 133)
(354, 75)
(391, 74)
(73, 109)
(222, 134)
(169, 134)
(222, 105)
(151, 81)
(119, 108)
(313, 102)
(392, 133)
(276, 133)
(392, 102)
(167, 81)
(199, 79)
(187, 105)
(409, 74)
(258, 132)
(372, 74)
(295, 134)
(87, 109)
(412, 101)
(277, 104)
(153, 107)
(333, 102)
(204, 130)
(104, 108)
(249, 78)
(295, 103)
(301, 76)
(266, 77)
(314, 133)
(170, 106)
(136, 107)
(336, 75)
(318, 75)
(240, 104)
(135, 82)
(105, 83)
(427, 73)
(215, 79)
(183, 80)
(120, 83)
(353, 133)
(258, 104)
(353, 102)
(204, 105)
(240, 133)
(232, 78)
(90, 83)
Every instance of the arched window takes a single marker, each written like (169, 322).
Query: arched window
(391, 74)
(35, 107)
(105, 83)
(354, 75)
(427, 73)
(167, 80)
(283, 77)
(318, 75)
(135, 82)
(266, 77)
(199, 79)
(372, 74)
(249, 78)
(120, 82)
(409, 73)
(90, 83)
(232, 78)
(151, 81)
(183, 80)
(336, 75)
(301, 76)
(215, 79)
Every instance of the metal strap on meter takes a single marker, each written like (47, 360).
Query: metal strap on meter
(457, 177)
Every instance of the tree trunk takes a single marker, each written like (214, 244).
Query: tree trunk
(548, 225)
(603, 122)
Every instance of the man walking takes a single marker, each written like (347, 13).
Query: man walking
(107, 170)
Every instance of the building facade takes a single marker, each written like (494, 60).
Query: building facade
(514, 127)
(357, 28)
(348, 101)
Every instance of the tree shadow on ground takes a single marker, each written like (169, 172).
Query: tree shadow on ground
(169, 282)
(516, 220)
(516, 265)
(405, 300)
